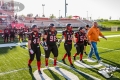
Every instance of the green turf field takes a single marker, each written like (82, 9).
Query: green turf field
(13, 62)
(110, 23)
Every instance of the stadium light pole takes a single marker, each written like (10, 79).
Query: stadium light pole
(87, 15)
(59, 14)
(43, 8)
(65, 8)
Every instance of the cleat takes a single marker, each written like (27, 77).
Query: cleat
(82, 61)
(74, 58)
(63, 61)
(85, 53)
(72, 66)
(39, 72)
(29, 66)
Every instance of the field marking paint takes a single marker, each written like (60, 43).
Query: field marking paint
(83, 65)
(66, 74)
(94, 78)
(42, 76)
(110, 36)
(3, 73)
(108, 49)
(24, 43)
(113, 40)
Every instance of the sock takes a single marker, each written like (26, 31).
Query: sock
(81, 55)
(46, 62)
(29, 62)
(55, 62)
(65, 56)
(69, 58)
(75, 54)
(38, 64)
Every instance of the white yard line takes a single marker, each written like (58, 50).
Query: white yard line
(108, 49)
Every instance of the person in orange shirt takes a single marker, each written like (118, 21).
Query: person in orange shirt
(93, 37)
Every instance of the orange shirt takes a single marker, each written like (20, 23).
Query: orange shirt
(94, 33)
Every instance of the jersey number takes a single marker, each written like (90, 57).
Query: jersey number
(36, 41)
(69, 37)
(81, 38)
(52, 38)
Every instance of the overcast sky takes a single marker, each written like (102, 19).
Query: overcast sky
(95, 8)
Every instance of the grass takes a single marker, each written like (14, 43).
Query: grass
(17, 57)
(110, 23)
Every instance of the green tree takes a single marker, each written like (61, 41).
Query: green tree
(52, 16)
(70, 17)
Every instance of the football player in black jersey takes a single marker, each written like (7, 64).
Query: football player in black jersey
(12, 35)
(68, 36)
(21, 33)
(34, 48)
(49, 39)
(79, 44)
(6, 34)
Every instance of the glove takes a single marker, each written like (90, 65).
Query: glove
(31, 51)
(45, 47)
(75, 45)
(42, 43)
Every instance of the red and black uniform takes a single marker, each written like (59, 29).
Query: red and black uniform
(12, 34)
(6, 34)
(51, 43)
(35, 40)
(21, 33)
(68, 44)
(68, 41)
(80, 43)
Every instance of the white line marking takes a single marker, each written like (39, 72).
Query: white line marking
(66, 74)
(108, 49)
(74, 69)
(83, 65)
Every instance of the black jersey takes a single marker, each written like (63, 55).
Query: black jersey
(68, 36)
(35, 39)
(51, 37)
(6, 31)
(12, 31)
(80, 37)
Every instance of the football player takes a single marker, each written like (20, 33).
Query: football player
(21, 33)
(79, 44)
(12, 35)
(34, 48)
(86, 41)
(49, 39)
(6, 34)
(68, 36)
